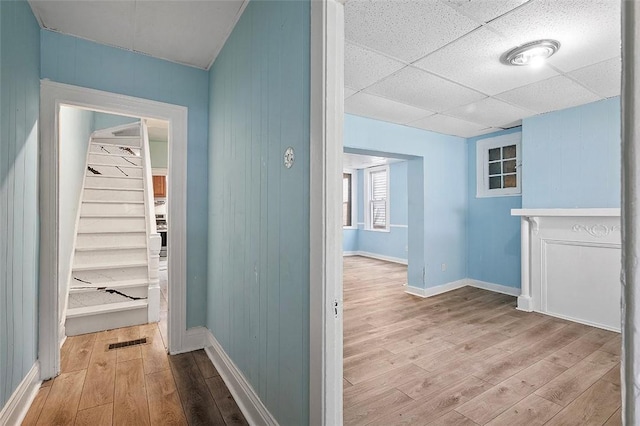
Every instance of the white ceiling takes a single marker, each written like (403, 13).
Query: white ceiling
(187, 32)
(435, 64)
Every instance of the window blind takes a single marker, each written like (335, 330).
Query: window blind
(379, 199)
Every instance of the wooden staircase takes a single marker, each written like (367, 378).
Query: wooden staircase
(114, 278)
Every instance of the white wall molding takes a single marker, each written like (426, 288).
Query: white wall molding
(52, 95)
(193, 339)
(243, 393)
(17, 406)
(496, 288)
(434, 291)
(565, 212)
(398, 226)
(376, 256)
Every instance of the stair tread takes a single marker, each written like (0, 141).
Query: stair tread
(109, 307)
(99, 266)
(107, 248)
(108, 154)
(112, 202)
(114, 177)
(111, 216)
(131, 166)
(109, 188)
(109, 231)
(80, 286)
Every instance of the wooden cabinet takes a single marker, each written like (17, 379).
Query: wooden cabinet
(160, 186)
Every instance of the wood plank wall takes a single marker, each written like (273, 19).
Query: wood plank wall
(19, 103)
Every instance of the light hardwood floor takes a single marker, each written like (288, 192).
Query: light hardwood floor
(468, 357)
(138, 385)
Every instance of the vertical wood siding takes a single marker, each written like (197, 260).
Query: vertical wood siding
(19, 103)
(258, 289)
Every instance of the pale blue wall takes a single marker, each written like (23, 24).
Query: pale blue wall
(393, 243)
(84, 63)
(258, 287)
(437, 194)
(102, 120)
(493, 245)
(75, 126)
(571, 158)
(19, 103)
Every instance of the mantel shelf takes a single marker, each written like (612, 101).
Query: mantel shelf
(566, 212)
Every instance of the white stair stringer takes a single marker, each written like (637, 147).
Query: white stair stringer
(114, 278)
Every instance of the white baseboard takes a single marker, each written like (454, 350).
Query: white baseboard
(432, 291)
(525, 304)
(496, 288)
(192, 340)
(376, 256)
(243, 393)
(16, 408)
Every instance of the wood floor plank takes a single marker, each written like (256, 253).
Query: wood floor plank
(614, 375)
(615, 419)
(78, 353)
(593, 407)
(154, 354)
(36, 406)
(453, 418)
(197, 402)
(204, 364)
(61, 404)
(128, 353)
(222, 396)
(164, 401)
(369, 410)
(100, 382)
(130, 401)
(566, 387)
(96, 416)
(531, 411)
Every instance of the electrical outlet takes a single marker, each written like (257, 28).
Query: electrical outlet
(443, 267)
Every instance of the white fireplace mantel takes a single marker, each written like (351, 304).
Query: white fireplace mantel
(571, 264)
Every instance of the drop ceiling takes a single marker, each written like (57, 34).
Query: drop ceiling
(435, 64)
(187, 32)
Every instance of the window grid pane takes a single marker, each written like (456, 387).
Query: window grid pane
(378, 182)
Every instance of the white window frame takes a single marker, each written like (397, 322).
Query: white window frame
(368, 220)
(482, 165)
(354, 198)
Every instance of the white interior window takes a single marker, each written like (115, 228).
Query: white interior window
(377, 198)
(349, 213)
(499, 162)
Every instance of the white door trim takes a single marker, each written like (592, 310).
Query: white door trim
(327, 115)
(52, 95)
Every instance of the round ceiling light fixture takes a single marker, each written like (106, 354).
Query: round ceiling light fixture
(533, 53)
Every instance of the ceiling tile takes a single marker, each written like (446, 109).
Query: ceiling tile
(419, 88)
(450, 126)
(404, 29)
(474, 61)
(549, 95)
(588, 31)
(107, 22)
(485, 10)
(349, 92)
(383, 109)
(359, 161)
(362, 67)
(603, 78)
(189, 32)
(490, 112)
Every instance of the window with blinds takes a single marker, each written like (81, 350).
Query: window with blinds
(346, 200)
(378, 198)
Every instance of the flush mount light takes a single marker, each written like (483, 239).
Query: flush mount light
(533, 53)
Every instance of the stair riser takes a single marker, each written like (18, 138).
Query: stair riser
(112, 194)
(120, 141)
(108, 257)
(112, 149)
(109, 209)
(105, 321)
(112, 182)
(104, 276)
(121, 224)
(117, 171)
(114, 160)
(109, 240)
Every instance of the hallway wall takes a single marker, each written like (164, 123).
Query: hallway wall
(72, 60)
(19, 103)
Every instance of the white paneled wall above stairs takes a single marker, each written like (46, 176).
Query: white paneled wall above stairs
(114, 278)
